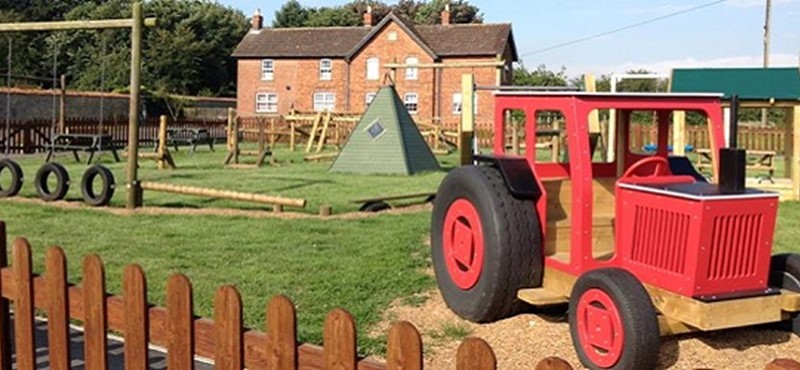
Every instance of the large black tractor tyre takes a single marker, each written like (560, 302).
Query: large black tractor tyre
(107, 189)
(612, 321)
(785, 274)
(486, 244)
(16, 178)
(62, 182)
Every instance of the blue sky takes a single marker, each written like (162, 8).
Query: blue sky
(725, 34)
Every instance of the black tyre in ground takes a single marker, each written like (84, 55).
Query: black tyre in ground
(613, 322)
(486, 244)
(785, 274)
(103, 197)
(62, 182)
(375, 207)
(15, 184)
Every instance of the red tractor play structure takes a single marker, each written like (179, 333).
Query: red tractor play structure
(640, 247)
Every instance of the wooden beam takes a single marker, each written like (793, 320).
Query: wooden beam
(223, 194)
(467, 118)
(74, 25)
(795, 164)
(445, 65)
(679, 132)
(590, 85)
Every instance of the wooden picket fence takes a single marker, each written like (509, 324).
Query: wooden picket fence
(222, 339)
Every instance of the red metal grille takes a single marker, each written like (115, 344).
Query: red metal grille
(734, 246)
(660, 238)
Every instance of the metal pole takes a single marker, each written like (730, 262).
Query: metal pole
(733, 142)
(134, 190)
(765, 111)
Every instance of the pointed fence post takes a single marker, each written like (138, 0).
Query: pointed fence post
(94, 307)
(180, 322)
(475, 354)
(228, 329)
(339, 341)
(5, 313)
(404, 347)
(281, 334)
(55, 277)
(137, 324)
(23, 306)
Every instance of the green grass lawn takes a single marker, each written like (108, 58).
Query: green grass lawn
(310, 181)
(361, 265)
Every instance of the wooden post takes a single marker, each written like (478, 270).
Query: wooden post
(62, 112)
(325, 210)
(292, 135)
(467, 119)
(162, 143)
(590, 85)
(134, 191)
(5, 314)
(795, 163)
(788, 141)
(231, 118)
(272, 137)
(235, 151)
(679, 133)
(514, 132)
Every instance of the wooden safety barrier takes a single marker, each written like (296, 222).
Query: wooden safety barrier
(223, 194)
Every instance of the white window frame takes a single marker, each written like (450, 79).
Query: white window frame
(369, 98)
(458, 102)
(266, 102)
(409, 99)
(412, 74)
(325, 69)
(267, 70)
(324, 101)
(373, 69)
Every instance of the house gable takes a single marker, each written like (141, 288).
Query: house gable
(378, 30)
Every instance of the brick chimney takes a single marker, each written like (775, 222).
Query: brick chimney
(368, 20)
(257, 23)
(446, 15)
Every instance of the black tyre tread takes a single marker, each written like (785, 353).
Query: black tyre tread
(522, 216)
(16, 178)
(61, 188)
(788, 263)
(104, 197)
(518, 266)
(375, 207)
(640, 320)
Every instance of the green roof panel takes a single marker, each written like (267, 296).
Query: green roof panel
(760, 84)
(386, 141)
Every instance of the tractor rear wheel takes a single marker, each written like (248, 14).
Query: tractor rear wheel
(612, 321)
(785, 274)
(486, 244)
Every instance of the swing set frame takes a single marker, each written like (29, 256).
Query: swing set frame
(136, 24)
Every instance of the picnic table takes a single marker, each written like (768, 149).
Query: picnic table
(191, 136)
(91, 143)
(756, 160)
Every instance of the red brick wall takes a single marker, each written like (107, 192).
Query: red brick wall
(302, 78)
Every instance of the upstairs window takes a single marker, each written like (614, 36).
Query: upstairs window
(267, 69)
(324, 101)
(373, 69)
(369, 98)
(411, 101)
(266, 103)
(412, 73)
(325, 69)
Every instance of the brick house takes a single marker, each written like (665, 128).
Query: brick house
(341, 68)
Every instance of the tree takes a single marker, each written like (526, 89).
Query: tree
(541, 76)
(461, 11)
(333, 17)
(291, 14)
(187, 53)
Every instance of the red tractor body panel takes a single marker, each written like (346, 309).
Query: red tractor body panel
(704, 246)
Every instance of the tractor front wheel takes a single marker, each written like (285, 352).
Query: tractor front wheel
(486, 244)
(613, 322)
(785, 274)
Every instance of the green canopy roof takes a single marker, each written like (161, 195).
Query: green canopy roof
(749, 83)
(386, 141)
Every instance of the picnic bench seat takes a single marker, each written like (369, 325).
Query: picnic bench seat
(191, 136)
(91, 143)
(763, 160)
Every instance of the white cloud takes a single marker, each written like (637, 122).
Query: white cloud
(776, 60)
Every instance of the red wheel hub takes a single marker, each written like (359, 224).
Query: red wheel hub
(463, 244)
(600, 328)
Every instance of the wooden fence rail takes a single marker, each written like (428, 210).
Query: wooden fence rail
(175, 327)
(33, 136)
